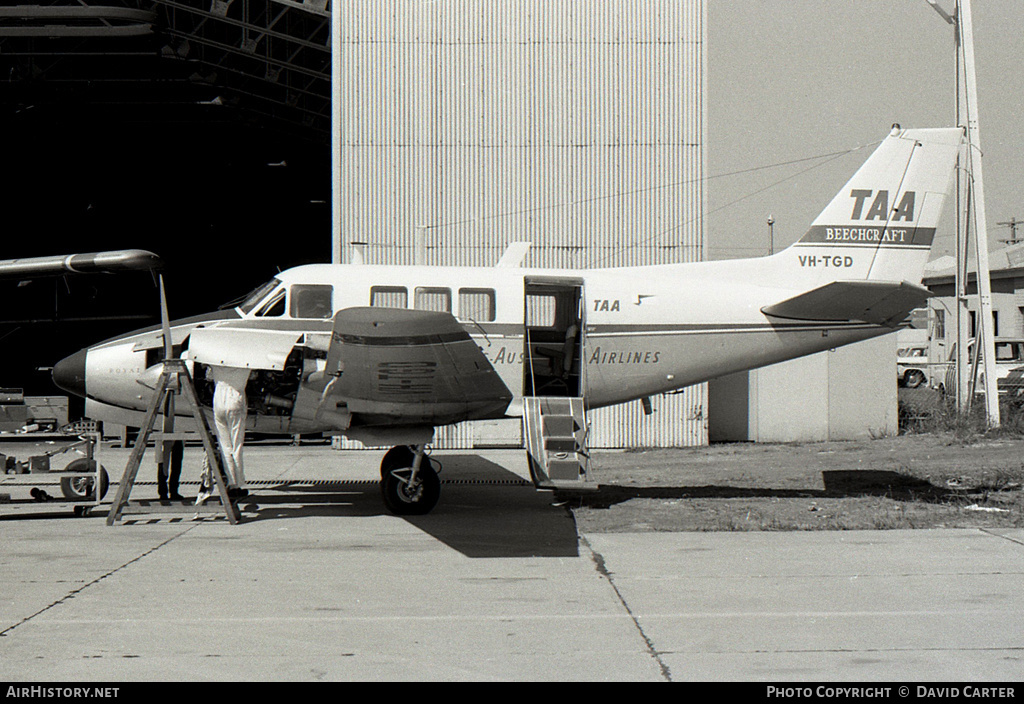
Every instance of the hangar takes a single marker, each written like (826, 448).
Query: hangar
(129, 122)
(578, 126)
(205, 124)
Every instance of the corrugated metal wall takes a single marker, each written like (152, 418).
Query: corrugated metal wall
(575, 124)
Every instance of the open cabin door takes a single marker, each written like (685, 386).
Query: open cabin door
(553, 337)
(554, 418)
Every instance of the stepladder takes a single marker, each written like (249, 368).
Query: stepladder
(174, 382)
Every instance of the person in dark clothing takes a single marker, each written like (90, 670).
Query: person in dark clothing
(168, 469)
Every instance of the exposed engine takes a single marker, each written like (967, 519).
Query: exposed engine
(269, 392)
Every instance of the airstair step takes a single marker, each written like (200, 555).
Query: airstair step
(560, 426)
(556, 443)
(556, 406)
(562, 470)
(560, 444)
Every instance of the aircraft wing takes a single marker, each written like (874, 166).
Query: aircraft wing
(391, 366)
(879, 302)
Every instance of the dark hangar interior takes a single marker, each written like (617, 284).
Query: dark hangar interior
(196, 129)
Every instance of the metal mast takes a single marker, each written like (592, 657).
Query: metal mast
(984, 342)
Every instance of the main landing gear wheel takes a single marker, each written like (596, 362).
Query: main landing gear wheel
(83, 488)
(407, 492)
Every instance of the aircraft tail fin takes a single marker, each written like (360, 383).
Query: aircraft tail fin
(880, 226)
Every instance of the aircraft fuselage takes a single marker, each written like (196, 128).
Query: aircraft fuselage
(639, 332)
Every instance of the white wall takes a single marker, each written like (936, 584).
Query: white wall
(846, 393)
(578, 125)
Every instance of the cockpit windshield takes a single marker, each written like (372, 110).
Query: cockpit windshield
(254, 298)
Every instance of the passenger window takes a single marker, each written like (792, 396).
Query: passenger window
(436, 299)
(311, 301)
(476, 304)
(389, 297)
(540, 310)
(274, 308)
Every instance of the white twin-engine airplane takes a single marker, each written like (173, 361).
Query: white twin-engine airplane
(384, 354)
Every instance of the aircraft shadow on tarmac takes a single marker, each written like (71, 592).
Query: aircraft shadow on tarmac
(485, 510)
(838, 484)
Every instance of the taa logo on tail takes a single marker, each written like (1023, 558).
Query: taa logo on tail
(879, 208)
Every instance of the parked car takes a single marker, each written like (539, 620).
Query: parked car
(1009, 369)
(912, 368)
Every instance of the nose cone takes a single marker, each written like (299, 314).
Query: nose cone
(69, 374)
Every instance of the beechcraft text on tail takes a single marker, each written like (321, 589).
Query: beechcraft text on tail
(384, 354)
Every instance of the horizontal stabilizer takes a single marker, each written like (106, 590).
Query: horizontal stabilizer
(879, 302)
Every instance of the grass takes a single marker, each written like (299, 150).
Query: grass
(841, 514)
(948, 473)
(925, 411)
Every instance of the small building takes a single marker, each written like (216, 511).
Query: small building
(1006, 273)
(846, 393)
